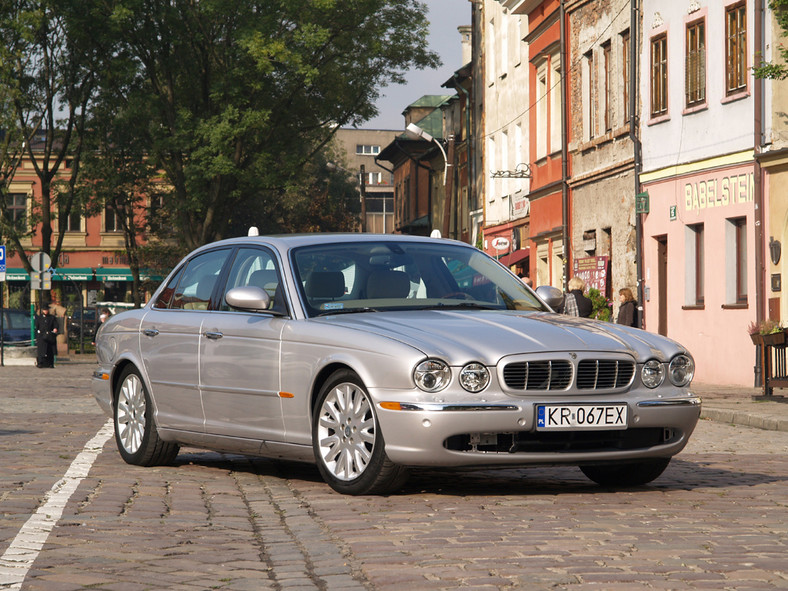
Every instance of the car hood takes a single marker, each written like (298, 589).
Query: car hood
(460, 336)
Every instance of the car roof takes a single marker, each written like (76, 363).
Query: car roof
(285, 242)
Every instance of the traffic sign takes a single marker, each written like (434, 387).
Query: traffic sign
(40, 261)
(2, 263)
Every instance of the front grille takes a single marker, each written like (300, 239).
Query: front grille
(597, 374)
(538, 375)
(558, 374)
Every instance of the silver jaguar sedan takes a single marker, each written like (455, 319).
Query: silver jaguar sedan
(370, 354)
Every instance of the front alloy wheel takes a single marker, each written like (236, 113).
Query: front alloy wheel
(135, 433)
(347, 442)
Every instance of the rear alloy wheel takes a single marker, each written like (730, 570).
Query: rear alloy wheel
(348, 444)
(135, 433)
(623, 475)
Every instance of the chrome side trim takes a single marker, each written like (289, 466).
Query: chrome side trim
(455, 407)
(670, 402)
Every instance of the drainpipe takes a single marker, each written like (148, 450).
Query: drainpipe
(758, 97)
(468, 151)
(564, 149)
(758, 107)
(637, 147)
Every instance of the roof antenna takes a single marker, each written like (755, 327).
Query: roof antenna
(253, 231)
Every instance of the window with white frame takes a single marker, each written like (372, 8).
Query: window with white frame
(659, 75)
(367, 150)
(607, 87)
(541, 110)
(589, 102)
(491, 194)
(695, 64)
(735, 48)
(16, 206)
(555, 102)
(625, 75)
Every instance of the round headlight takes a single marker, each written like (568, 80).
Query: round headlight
(681, 370)
(652, 374)
(474, 377)
(432, 375)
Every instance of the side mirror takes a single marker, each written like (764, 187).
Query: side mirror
(249, 298)
(552, 296)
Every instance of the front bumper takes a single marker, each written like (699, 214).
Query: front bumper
(503, 432)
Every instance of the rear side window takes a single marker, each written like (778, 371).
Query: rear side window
(198, 280)
(165, 297)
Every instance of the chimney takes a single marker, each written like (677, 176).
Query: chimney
(465, 35)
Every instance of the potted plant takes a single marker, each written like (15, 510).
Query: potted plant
(768, 332)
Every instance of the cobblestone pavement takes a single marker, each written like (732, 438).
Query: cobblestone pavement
(717, 518)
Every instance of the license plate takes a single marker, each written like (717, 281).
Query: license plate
(568, 417)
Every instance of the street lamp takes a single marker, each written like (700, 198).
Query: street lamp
(415, 132)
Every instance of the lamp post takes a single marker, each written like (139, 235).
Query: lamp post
(415, 132)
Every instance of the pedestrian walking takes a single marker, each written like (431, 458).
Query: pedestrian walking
(46, 337)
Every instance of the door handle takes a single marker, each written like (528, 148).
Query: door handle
(150, 332)
(213, 335)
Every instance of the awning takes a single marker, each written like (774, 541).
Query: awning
(515, 257)
(123, 274)
(84, 274)
(73, 274)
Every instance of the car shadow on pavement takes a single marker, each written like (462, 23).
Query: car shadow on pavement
(552, 480)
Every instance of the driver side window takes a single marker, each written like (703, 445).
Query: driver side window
(255, 267)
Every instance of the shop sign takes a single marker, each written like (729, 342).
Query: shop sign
(500, 243)
(719, 191)
(593, 271)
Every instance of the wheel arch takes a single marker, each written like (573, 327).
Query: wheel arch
(321, 378)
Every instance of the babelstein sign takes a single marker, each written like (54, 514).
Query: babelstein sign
(719, 191)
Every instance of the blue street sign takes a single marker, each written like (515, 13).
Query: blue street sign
(2, 258)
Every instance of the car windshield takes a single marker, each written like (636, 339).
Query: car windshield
(17, 321)
(389, 275)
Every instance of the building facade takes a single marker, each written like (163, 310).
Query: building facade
(506, 132)
(603, 233)
(700, 232)
(360, 149)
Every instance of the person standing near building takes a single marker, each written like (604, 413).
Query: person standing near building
(628, 308)
(575, 301)
(46, 337)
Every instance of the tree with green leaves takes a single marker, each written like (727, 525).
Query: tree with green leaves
(775, 70)
(48, 70)
(241, 96)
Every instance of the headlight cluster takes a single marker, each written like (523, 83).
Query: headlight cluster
(433, 375)
(680, 370)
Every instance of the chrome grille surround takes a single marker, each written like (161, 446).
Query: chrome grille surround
(582, 373)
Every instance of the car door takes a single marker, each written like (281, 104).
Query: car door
(240, 354)
(170, 341)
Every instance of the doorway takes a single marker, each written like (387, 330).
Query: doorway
(662, 284)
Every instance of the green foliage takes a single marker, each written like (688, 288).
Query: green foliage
(772, 70)
(603, 307)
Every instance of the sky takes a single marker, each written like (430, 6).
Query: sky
(444, 17)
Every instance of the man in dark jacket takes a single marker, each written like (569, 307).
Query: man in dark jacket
(46, 337)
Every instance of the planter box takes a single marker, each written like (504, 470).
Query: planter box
(775, 338)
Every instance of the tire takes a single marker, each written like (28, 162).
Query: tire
(626, 474)
(135, 431)
(347, 442)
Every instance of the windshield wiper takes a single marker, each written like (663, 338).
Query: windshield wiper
(345, 311)
(466, 305)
